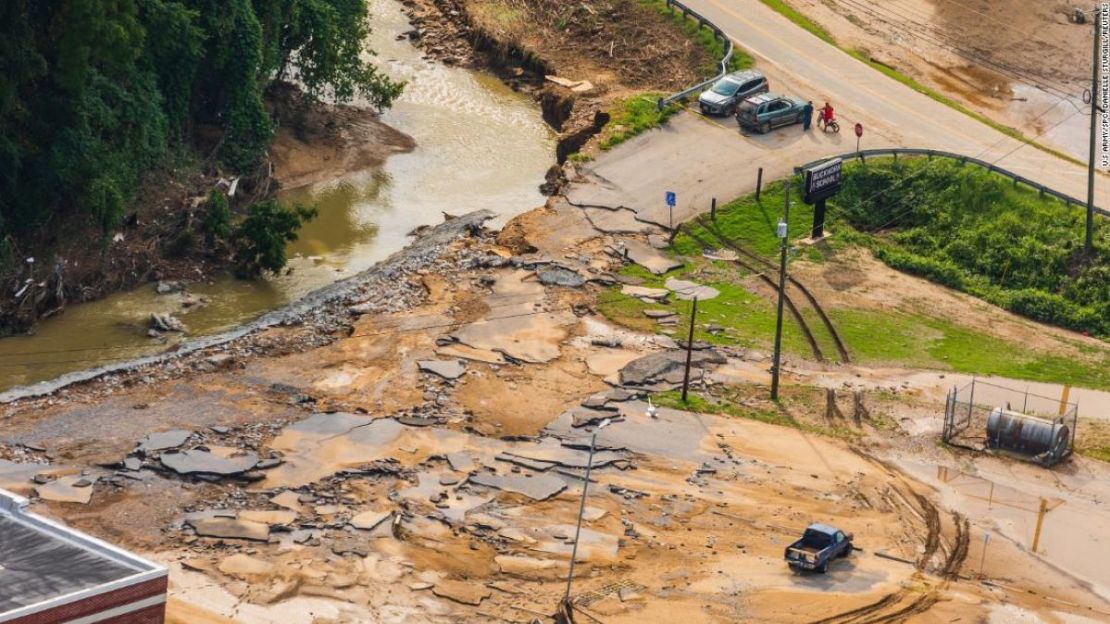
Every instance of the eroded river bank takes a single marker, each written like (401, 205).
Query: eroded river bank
(479, 145)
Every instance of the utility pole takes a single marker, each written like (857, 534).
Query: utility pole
(581, 510)
(784, 237)
(1089, 242)
(689, 350)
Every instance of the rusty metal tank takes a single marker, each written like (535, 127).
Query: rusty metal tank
(1044, 440)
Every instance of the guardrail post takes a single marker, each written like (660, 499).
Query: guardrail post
(758, 183)
(1042, 192)
(713, 209)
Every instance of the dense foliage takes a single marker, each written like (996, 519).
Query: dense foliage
(260, 239)
(95, 92)
(974, 231)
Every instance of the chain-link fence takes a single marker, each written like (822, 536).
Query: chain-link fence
(987, 416)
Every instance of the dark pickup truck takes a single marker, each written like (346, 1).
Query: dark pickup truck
(819, 545)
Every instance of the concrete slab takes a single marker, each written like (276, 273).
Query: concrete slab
(369, 520)
(163, 440)
(16, 477)
(448, 369)
(649, 257)
(470, 353)
(206, 524)
(646, 293)
(196, 461)
(620, 221)
(687, 291)
(71, 489)
(269, 517)
(534, 339)
(540, 487)
(463, 593)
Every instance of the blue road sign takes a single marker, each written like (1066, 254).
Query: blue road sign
(672, 199)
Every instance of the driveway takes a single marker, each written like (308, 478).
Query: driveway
(700, 158)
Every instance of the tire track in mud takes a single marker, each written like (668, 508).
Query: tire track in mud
(841, 349)
(900, 605)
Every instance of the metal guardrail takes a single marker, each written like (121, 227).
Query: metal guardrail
(862, 155)
(687, 12)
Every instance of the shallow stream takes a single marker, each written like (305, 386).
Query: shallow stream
(479, 145)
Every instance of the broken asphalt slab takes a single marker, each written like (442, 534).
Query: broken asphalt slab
(690, 290)
(573, 455)
(530, 338)
(463, 593)
(648, 257)
(197, 461)
(559, 276)
(447, 369)
(208, 524)
(71, 489)
(539, 487)
(646, 294)
(667, 366)
(163, 441)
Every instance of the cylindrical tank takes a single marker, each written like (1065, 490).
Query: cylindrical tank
(1014, 431)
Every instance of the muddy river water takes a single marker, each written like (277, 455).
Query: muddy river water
(479, 145)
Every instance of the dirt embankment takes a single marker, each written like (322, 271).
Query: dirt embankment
(162, 237)
(577, 59)
(321, 142)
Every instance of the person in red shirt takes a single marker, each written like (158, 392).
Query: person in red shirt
(827, 114)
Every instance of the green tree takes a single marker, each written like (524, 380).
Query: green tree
(95, 93)
(217, 223)
(260, 239)
(321, 43)
(174, 49)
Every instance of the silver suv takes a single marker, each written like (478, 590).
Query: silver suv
(725, 94)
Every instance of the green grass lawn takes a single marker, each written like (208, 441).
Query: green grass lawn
(891, 338)
(748, 319)
(922, 341)
(751, 221)
(633, 116)
(975, 231)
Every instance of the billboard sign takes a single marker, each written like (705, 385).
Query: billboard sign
(823, 181)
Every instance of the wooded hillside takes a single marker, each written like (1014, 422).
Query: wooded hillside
(95, 92)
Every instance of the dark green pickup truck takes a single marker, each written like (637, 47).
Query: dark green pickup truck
(766, 111)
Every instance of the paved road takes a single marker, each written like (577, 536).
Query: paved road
(701, 158)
